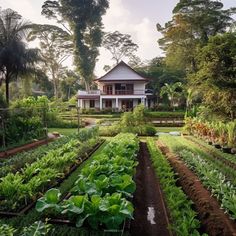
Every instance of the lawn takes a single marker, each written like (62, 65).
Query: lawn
(169, 129)
(63, 131)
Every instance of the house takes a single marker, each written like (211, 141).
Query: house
(122, 88)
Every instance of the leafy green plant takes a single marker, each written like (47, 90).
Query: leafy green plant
(184, 220)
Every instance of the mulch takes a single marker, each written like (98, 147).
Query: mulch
(148, 199)
(214, 221)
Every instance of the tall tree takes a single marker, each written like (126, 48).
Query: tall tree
(194, 21)
(216, 75)
(15, 57)
(55, 47)
(84, 20)
(119, 45)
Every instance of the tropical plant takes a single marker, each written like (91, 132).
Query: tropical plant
(15, 58)
(173, 92)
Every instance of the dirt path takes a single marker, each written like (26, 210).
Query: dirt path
(214, 221)
(150, 215)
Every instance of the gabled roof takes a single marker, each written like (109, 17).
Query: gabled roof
(122, 63)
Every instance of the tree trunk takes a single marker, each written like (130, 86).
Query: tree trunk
(7, 89)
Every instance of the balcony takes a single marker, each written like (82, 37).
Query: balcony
(124, 92)
(92, 94)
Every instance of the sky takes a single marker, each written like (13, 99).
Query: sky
(135, 17)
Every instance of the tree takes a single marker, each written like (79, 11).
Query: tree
(216, 75)
(55, 47)
(159, 73)
(194, 21)
(70, 84)
(15, 57)
(119, 45)
(84, 20)
(173, 92)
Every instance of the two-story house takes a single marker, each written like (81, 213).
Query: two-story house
(122, 88)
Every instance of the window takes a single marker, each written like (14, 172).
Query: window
(108, 103)
(91, 103)
(107, 89)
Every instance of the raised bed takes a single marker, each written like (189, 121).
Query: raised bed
(212, 217)
(25, 147)
(25, 209)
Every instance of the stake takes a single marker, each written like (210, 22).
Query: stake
(78, 117)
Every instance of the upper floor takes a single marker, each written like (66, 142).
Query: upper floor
(121, 80)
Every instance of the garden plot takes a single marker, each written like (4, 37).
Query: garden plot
(214, 220)
(100, 196)
(20, 190)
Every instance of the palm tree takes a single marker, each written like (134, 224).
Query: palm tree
(15, 57)
(171, 91)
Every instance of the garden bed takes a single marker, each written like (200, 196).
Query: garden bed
(213, 218)
(29, 206)
(25, 147)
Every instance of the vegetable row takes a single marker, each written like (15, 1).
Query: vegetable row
(18, 161)
(211, 178)
(218, 164)
(99, 196)
(184, 220)
(17, 190)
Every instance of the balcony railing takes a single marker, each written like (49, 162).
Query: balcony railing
(91, 92)
(124, 92)
(116, 92)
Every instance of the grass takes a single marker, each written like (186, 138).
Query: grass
(169, 129)
(63, 131)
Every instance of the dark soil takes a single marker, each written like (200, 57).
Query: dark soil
(25, 147)
(214, 221)
(212, 153)
(150, 215)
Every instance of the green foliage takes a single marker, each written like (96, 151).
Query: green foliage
(119, 45)
(215, 78)
(183, 219)
(15, 57)
(21, 188)
(98, 195)
(85, 25)
(212, 175)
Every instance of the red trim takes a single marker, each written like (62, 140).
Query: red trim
(122, 63)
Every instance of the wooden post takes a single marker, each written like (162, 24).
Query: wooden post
(45, 124)
(78, 117)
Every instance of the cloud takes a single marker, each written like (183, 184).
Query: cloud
(142, 30)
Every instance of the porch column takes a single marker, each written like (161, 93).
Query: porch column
(100, 103)
(117, 104)
(146, 102)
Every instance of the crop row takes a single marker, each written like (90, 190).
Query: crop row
(99, 196)
(226, 156)
(18, 161)
(211, 178)
(180, 143)
(184, 220)
(17, 190)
